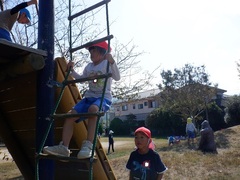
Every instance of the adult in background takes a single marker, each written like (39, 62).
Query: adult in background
(110, 141)
(207, 143)
(8, 17)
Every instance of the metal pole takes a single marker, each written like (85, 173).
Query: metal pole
(45, 94)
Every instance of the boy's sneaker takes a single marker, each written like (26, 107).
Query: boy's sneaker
(58, 150)
(86, 150)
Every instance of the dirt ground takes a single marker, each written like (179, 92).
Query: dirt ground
(5, 156)
(8, 168)
(116, 144)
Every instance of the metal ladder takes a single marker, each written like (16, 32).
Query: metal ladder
(67, 82)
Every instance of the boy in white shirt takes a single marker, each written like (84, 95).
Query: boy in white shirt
(91, 102)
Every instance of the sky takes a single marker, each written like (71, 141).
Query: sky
(176, 32)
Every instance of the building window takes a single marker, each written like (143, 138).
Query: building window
(134, 106)
(124, 108)
(118, 108)
(145, 103)
(140, 106)
(151, 104)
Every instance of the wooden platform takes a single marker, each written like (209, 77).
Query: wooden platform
(17, 60)
(13, 51)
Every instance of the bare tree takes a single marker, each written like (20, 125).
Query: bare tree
(23, 34)
(84, 29)
(87, 28)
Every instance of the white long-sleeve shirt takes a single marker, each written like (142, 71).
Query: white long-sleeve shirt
(96, 86)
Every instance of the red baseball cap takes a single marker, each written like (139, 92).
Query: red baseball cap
(103, 45)
(144, 130)
(147, 132)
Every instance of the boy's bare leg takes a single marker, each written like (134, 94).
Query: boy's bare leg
(87, 146)
(92, 122)
(68, 129)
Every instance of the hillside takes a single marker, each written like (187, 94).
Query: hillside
(183, 163)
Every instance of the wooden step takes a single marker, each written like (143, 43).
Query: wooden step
(65, 159)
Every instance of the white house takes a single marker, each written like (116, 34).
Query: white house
(141, 106)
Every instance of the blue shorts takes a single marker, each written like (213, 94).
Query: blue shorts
(4, 34)
(83, 105)
(191, 134)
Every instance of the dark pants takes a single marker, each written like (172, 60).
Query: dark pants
(110, 144)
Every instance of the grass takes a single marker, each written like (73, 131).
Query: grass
(183, 163)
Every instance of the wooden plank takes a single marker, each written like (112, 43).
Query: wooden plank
(66, 159)
(21, 115)
(26, 137)
(30, 123)
(26, 80)
(25, 119)
(17, 104)
(13, 51)
(26, 91)
(19, 125)
(15, 93)
(24, 65)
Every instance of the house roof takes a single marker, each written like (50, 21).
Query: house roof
(141, 95)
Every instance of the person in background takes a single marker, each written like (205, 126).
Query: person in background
(110, 141)
(207, 143)
(8, 17)
(171, 140)
(190, 130)
(91, 101)
(144, 162)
